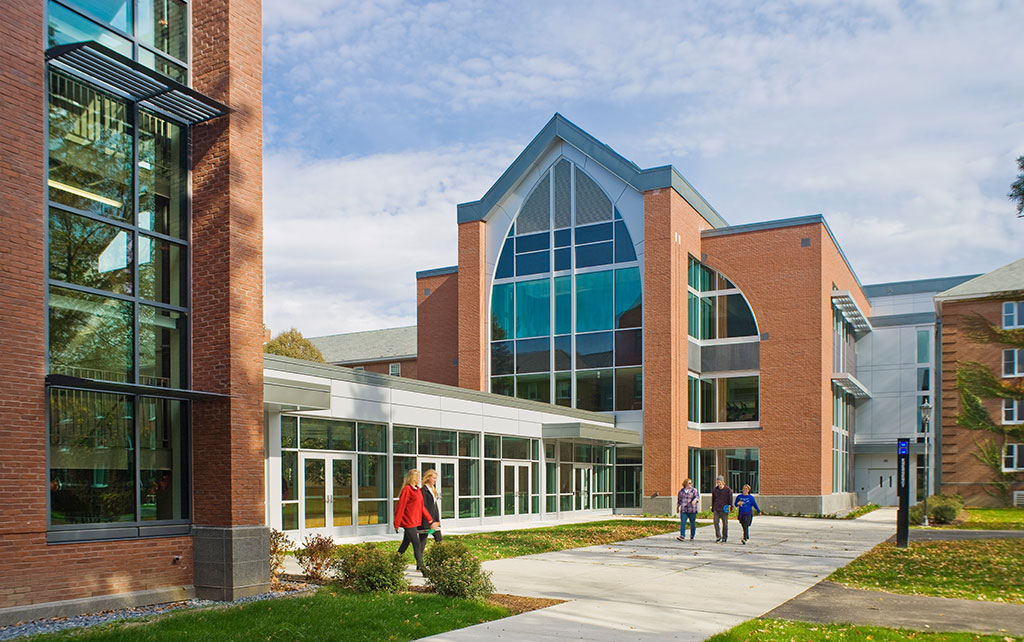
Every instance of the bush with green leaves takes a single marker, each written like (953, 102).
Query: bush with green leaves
(942, 509)
(279, 546)
(451, 569)
(316, 556)
(370, 569)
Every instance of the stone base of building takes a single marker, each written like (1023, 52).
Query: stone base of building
(69, 608)
(231, 561)
(661, 505)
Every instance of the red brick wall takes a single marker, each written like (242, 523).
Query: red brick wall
(473, 311)
(384, 367)
(437, 328)
(962, 473)
(671, 233)
(227, 266)
(789, 289)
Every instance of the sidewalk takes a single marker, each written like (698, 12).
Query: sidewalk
(661, 589)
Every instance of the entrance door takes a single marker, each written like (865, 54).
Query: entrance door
(516, 489)
(326, 505)
(446, 483)
(883, 486)
(581, 486)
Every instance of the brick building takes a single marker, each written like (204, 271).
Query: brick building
(982, 434)
(130, 304)
(391, 351)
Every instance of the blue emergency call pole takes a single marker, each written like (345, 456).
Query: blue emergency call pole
(903, 492)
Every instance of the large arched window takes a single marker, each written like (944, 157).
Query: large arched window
(566, 315)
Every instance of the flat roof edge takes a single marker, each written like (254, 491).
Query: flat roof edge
(441, 271)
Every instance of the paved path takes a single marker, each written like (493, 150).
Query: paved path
(833, 603)
(658, 588)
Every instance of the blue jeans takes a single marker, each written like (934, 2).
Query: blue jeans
(687, 517)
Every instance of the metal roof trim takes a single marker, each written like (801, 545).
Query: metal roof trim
(135, 81)
(843, 300)
(851, 385)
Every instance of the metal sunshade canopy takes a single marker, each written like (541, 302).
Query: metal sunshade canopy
(135, 81)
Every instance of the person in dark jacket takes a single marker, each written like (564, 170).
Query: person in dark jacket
(721, 500)
(432, 502)
(409, 514)
(746, 504)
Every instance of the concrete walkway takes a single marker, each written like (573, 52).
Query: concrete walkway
(659, 588)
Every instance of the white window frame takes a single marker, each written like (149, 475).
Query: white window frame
(1013, 362)
(1013, 411)
(1013, 453)
(395, 369)
(1013, 314)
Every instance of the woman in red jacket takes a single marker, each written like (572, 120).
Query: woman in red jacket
(410, 513)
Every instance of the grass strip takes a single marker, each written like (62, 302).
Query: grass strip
(787, 631)
(999, 519)
(327, 615)
(982, 569)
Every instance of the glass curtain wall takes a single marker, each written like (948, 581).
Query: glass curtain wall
(117, 299)
(739, 466)
(152, 32)
(842, 428)
(566, 305)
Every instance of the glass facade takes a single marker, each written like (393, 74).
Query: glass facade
(566, 304)
(739, 466)
(842, 428)
(117, 296)
(153, 32)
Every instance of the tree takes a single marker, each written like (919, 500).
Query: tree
(1017, 187)
(291, 343)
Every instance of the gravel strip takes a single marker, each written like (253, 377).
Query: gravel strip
(52, 625)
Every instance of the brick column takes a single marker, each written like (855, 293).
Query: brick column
(473, 312)
(231, 539)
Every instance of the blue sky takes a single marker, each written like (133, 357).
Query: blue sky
(899, 121)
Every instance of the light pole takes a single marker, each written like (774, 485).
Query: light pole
(926, 409)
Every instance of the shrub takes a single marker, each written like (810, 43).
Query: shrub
(279, 545)
(370, 569)
(316, 556)
(944, 513)
(942, 509)
(454, 571)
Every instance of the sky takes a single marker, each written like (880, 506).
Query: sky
(900, 122)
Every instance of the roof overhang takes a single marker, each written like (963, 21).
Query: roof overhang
(292, 395)
(846, 304)
(127, 78)
(71, 381)
(851, 385)
(590, 432)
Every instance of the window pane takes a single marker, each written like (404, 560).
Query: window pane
(469, 507)
(923, 380)
(563, 353)
(373, 513)
(163, 459)
(594, 390)
(591, 255)
(923, 352)
(469, 444)
(437, 442)
(738, 399)
(289, 475)
(629, 389)
(90, 149)
(506, 263)
(290, 516)
(492, 477)
(628, 299)
(92, 461)
(563, 305)
(90, 253)
(162, 172)
(492, 446)
(628, 347)
(501, 357)
(594, 301)
(624, 250)
(163, 25)
(405, 439)
(492, 506)
(372, 476)
(469, 477)
(503, 386)
(735, 317)
(163, 348)
(399, 467)
(741, 465)
(532, 243)
(533, 355)
(502, 311)
(533, 308)
(533, 263)
(162, 275)
(289, 432)
(563, 259)
(563, 389)
(313, 433)
(342, 435)
(66, 26)
(563, 238)
(593, 233)
(372, 438)
(534, 387)
(515, 448)
(116, 13)
(164, 66)
(90, 336)
(594, 350)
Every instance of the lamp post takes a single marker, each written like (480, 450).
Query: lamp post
(926, 409)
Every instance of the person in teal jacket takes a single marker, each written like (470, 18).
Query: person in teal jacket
(746, 504)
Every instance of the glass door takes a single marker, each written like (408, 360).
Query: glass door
(446, 482)
(326, 495)
(516, 489)
(581, 486)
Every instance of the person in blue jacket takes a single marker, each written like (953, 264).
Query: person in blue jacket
(746, 504)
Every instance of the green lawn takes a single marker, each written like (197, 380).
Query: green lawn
(985, 569)
(1000, 519)
(328, 615)
(787, 631)
(529, 541)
